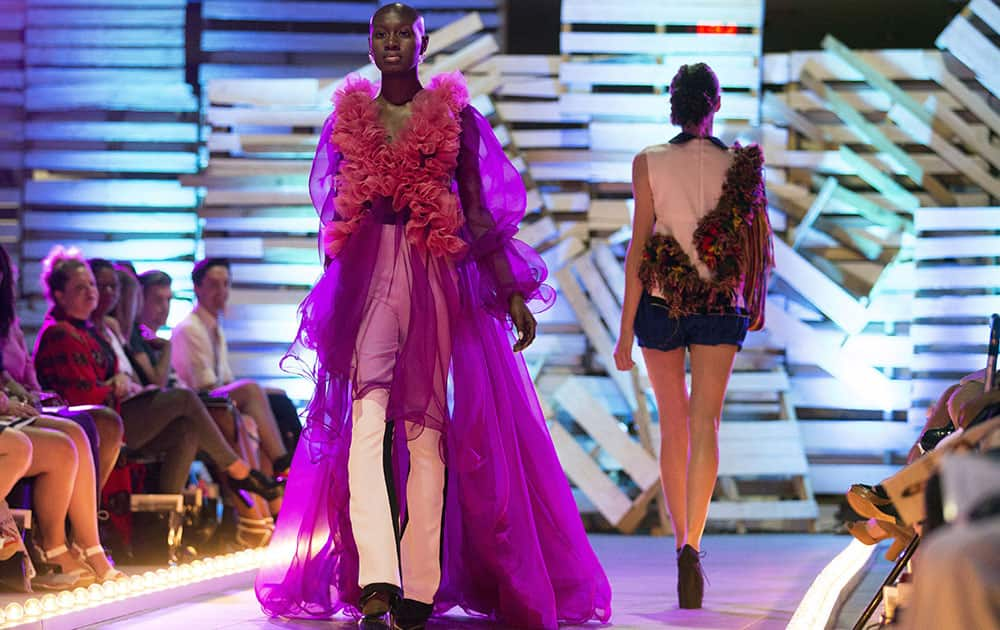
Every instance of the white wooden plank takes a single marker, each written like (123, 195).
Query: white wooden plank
(134, 76)
(958, 219)
(959, 277)
(732, 72)
(974, 49)
(660, 44)
(988, 12)
(105, 57)
(948, 335)
(895, 64)
(173, 223)
(93, 16)
(584, 472)
(969, 99)
(653, 107)
(107, 131)
(735, 12)
(832, 162)
(820, 290)
(110, 193)
(760, 448)
(263, 42)
(855, 437)
(606, 431)
(956, 306)
(112, 161)
(126, 249)
(956, 247)
(340, 12)
(963, 163)
(764, 510)
(158, 97)
(99, 37)
(949, 361)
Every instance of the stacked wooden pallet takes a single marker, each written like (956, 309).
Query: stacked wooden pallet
(109, 125)
(11, 119)
(874, 138)
(957, 284)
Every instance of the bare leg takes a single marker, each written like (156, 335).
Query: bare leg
(710, 369)
(666, 375)
(252, 400)
(15, 458)
(54, 465)
(83, 504)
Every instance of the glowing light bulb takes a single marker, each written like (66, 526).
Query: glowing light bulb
(173, 575)
(81, 596)
(14, 612)
(32, 608)
(66, 599)
(96, 592)
(149, 579)
(50, 603)
(3, 617)
(137, 583)
(110, 589)
(185, 573)
(161, 577)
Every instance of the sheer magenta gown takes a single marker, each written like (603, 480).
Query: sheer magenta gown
(419, 237)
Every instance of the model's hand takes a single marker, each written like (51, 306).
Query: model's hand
(523, 320)
(623, 351)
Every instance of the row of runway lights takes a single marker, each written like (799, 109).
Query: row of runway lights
(53, 604)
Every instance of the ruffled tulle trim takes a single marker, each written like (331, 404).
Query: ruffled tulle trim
(415, 171)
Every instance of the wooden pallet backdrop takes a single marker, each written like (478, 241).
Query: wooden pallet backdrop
(162, 130)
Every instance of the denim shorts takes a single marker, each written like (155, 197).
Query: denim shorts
(655, 329)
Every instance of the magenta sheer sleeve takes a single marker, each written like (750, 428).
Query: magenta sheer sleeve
(493, 198)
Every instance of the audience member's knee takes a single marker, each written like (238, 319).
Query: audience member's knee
(109, 424)
(18, 452)
(61, 449)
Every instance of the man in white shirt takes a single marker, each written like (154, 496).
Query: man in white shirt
(201, 358)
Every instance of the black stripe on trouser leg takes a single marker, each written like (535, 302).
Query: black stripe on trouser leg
(390, 484)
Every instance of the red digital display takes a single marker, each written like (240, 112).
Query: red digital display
(707, 28)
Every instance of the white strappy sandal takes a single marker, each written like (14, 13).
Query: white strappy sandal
(84, 576)
(111, 574)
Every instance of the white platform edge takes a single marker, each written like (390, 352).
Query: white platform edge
(832, 587)
(101, 612)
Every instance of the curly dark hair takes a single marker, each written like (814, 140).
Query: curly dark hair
(694, 91)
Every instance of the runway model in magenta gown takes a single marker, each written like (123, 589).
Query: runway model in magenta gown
(425, 478)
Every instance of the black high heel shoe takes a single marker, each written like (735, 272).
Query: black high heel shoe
(690, 578)
(377, 603)
(256, 483)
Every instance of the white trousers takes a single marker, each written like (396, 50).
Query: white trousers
(371, 512)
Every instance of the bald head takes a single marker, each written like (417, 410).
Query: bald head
(404, 12)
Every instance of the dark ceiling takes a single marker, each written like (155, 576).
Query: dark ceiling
(534, 25)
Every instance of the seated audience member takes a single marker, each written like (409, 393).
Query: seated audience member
(152, 367)
(157, 291)
(18, 380)
(200, 358)
(255, 522)
(73, 359)
(60, 460)
(957, 408)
